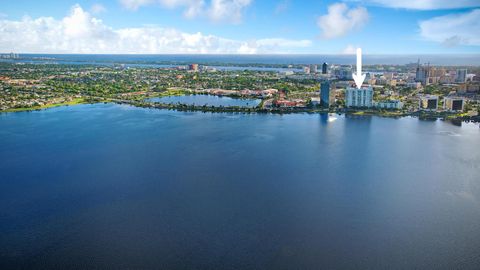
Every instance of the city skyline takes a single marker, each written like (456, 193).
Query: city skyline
(240, 27)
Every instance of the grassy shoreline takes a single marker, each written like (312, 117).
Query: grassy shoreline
(76, 101)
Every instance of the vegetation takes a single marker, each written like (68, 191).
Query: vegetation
(39, 86)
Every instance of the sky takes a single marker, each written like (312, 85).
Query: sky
(240, 26)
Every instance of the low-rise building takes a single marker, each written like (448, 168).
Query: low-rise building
(315, 101)
(414, 85)
(389, 104)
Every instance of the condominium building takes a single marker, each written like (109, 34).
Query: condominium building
(327, 94)
(428, 102)
(389, 104)
(453, 103)
(362, 97)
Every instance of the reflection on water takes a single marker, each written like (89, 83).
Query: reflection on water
(103, 187)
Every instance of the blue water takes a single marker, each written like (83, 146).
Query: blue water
(208, 100)
(116, 187)
(369, 59)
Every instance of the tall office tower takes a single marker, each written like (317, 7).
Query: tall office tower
(362, 97)
(324, 68)
(461, 76)
(325, 94)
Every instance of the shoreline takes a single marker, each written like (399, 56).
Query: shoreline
(422, 115)
(77, 101)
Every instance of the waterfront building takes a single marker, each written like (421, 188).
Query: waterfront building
(428, 102)
(362, 97)
(461, 76)
(389, 104)
(453, 103)
(327, 97)
(315, 101)
(324, 68)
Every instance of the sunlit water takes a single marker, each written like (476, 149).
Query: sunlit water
(114, 187)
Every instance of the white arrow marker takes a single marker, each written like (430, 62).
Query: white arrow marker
(359, 78)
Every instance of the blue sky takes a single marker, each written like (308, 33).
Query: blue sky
(240, 26)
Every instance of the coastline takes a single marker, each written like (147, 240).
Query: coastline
(423, 115)
(76, 101)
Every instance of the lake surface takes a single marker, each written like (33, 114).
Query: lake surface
(118, 187)
(208, 100)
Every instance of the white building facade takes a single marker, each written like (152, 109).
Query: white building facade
(389, 104)
(362, 97)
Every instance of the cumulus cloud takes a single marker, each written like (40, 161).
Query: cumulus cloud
(215, 10)
(427, 4)
(80, 32)
(454, 29)
(340, 20)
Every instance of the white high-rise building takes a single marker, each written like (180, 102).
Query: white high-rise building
(362, 97)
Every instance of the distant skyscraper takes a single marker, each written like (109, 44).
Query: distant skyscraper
(313, 68)
(362, 97)
(461, 76)
(421, 74)
(325, 98)
(324, 68)
(306, 69)
(343, 73)
(193, 67)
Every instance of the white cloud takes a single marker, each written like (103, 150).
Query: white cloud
(135, 4)
(227, 9)
(453, 29)
(350, 49)
(427, 4)
(215, 10)
(97, 8)
(80, 32)
(340, 20)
